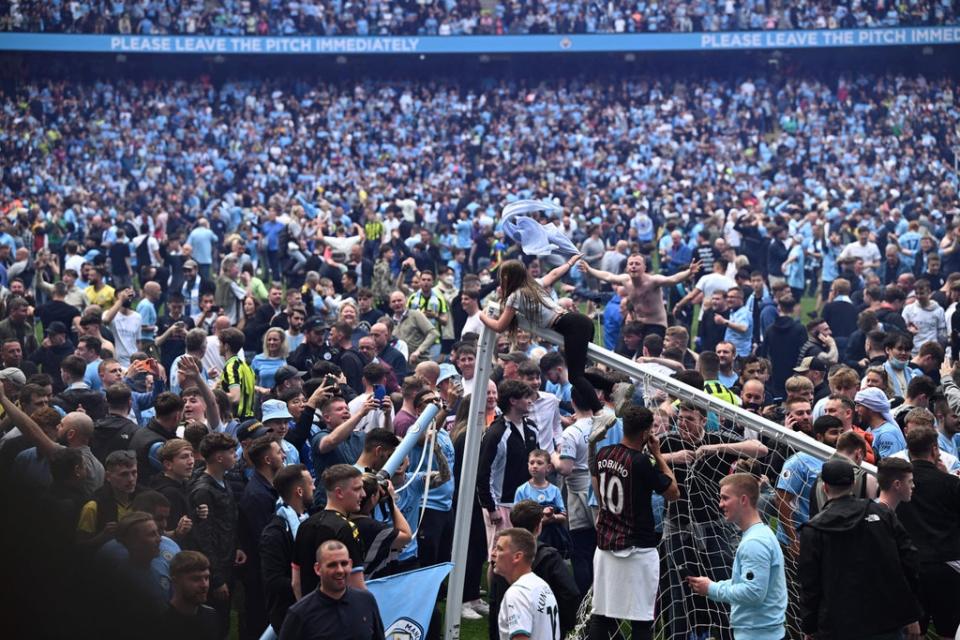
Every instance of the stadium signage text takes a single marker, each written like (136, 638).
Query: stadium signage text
(438, 45)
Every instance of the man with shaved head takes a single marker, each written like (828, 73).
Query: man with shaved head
(32, 466)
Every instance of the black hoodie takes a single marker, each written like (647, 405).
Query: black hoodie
(856, 551)
(112, 433)
(782, 344)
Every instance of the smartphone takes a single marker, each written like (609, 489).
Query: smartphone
(379, 391)
(330, 381)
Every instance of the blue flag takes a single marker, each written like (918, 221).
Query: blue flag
(406, 600)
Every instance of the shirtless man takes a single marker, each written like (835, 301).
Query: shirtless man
(644, 296)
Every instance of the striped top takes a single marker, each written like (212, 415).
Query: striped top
(236, 372)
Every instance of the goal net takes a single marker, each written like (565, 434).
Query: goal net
(695, 539)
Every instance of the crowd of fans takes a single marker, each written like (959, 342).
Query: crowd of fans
(222, 307)
(449, 17)
(87, 155)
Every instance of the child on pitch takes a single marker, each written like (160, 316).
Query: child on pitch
(547, 495)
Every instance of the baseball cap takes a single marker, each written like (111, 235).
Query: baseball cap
(810, 363)
(837, 473)
(447, 371)
(251, 429)
(12, 374)
(316, 322)
(190, 264)
(285, 373)
(514, 356)
(275, 410)
(56, 327)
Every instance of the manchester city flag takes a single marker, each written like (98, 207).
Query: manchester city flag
(406, 600)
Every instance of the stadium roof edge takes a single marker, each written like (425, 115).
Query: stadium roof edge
(453, 45)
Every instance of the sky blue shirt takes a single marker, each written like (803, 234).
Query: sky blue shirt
(945, 443)
(265, 368)
(408, 501)
(148, 315)
(794, 274)
(202, 239)
(797, 477)
(160, 566)
(440, 498)
(888, 439)
(757, 589)
(92, 375)
(562, 391)
(549, 496)
(742, 341)
(612, 321)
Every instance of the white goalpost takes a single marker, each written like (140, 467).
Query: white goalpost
(694, 542)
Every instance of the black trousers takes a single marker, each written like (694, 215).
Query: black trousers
(435, 537)
(577, 331)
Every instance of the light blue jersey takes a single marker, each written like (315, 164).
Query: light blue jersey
(440, 498)
(548, 496)
(757, 589)
(797, 477)
(888, 439)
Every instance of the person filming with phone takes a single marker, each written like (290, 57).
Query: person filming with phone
(374, 377)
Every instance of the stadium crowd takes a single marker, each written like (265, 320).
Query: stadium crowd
(223, 306)
(449, 17)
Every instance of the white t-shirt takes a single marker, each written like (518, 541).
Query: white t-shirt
(869, 252)
(529, 608)
(713, 282)
(75, 263)
(126, 332)
(545, 312)
(373, 420)
(212, 360)
(472, 325)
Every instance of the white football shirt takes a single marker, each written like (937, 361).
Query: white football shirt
(529, 609)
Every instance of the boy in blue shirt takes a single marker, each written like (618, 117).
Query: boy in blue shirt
(539, 490)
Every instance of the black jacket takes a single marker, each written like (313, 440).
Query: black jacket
(256, 507)
(782, 344)
(141, 442)
(396, 361)
(175, 492)
(932, 517)
(49, 359)
(892, 321)
(856, 550)
(502, 466)
(276, 555)
(94, 404)
(549, 565)
(306, 356)
(352, 363)
(216, 535)
(841, 317)
(112, 433)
